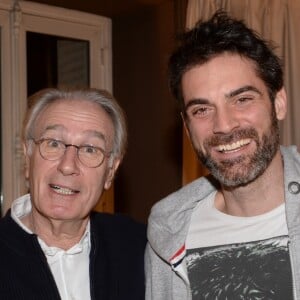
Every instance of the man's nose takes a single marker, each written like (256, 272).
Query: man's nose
(68, 164)
(225, 120)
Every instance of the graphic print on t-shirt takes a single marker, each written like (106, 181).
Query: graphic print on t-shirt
(257, 270)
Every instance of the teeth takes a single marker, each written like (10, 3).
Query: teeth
(233, 146)
(64, 191)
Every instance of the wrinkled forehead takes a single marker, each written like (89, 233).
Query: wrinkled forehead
(75, 117)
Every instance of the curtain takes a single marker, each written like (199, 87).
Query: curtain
(277, 21)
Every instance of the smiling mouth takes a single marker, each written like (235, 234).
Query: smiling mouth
(62, 190)
(234, 146)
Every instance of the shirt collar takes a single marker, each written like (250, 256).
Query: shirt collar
(83, 245)
(22, 206)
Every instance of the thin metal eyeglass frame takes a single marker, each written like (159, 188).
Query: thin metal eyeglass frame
(40, 141)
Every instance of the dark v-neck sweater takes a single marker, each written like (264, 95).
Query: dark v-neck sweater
(116, 261)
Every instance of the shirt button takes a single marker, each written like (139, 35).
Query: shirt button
(294, 187)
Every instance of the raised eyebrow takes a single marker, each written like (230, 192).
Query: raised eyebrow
(97, 134)
(53, 127)
(243, 89)
(94, 133)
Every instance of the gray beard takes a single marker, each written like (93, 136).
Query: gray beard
(246, 168)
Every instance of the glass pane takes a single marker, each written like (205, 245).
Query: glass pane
(54, 61)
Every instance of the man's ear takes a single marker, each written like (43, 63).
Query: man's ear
(111, 173)
(185, 121)
(280, 104)
(27, 159)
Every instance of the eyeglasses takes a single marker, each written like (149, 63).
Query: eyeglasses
(90, 156)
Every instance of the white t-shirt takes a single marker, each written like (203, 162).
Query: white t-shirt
(210, 227)
(231, 257)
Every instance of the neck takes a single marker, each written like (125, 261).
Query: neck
(260, 196)
(56, 233)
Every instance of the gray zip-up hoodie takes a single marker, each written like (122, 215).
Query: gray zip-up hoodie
(166, 273)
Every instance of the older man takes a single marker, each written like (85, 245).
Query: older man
(52, 246)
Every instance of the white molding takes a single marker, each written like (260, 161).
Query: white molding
(6, 111)
(58, 13)
(18, 98)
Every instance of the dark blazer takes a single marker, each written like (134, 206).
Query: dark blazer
(116, 261)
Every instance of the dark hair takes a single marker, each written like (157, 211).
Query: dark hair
(218, 35)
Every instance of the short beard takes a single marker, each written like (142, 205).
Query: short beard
(244, 169)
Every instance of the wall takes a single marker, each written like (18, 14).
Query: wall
(152, 166)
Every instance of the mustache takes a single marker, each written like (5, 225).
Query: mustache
(220, 139)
